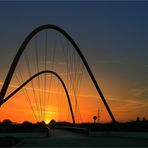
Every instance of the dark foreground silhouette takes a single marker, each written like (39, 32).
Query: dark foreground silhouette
(8, 126)
(8, 141)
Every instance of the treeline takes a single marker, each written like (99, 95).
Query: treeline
(26, 126)
(133, 126)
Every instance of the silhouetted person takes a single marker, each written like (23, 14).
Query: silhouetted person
(48, 132)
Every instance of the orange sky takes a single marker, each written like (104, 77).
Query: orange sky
(17, 108)
(125, 106)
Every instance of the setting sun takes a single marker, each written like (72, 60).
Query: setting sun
(47, 121)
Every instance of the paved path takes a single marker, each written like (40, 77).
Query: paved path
(63, 138)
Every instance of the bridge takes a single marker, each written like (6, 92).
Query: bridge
(38, 72)
(76, 60)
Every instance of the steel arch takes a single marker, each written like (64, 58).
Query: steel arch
(22, 48)
(34, 76)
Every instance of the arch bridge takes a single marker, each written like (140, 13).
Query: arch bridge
(20, 51)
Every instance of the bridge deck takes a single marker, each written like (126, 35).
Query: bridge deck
(64, 138)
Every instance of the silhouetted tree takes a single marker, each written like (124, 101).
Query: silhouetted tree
(27, 123)
(52, 124)
(143, 119)
(27, 126)
(138, 119)
(7, 122)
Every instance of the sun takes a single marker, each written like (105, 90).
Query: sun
(46, 121)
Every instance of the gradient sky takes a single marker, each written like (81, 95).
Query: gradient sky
(112, 36)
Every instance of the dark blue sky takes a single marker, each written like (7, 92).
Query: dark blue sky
(112, 35)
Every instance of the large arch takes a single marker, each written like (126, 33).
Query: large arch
(34, 76)
(22, 48)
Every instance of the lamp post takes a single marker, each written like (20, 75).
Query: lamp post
(95, 118)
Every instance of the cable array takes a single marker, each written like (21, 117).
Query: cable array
(46, 93)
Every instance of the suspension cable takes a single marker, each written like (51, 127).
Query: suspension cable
(25, 91)
(37, 67)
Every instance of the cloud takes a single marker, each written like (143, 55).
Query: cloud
(146, 65)
(11, 85)
(31, 89)
(51, 62)
(127, 104)
(117, 104)
(140, 93)
(109, 62)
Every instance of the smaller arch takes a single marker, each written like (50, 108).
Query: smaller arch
(34, 76)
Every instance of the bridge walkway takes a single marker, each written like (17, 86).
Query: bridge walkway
(62, 138)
